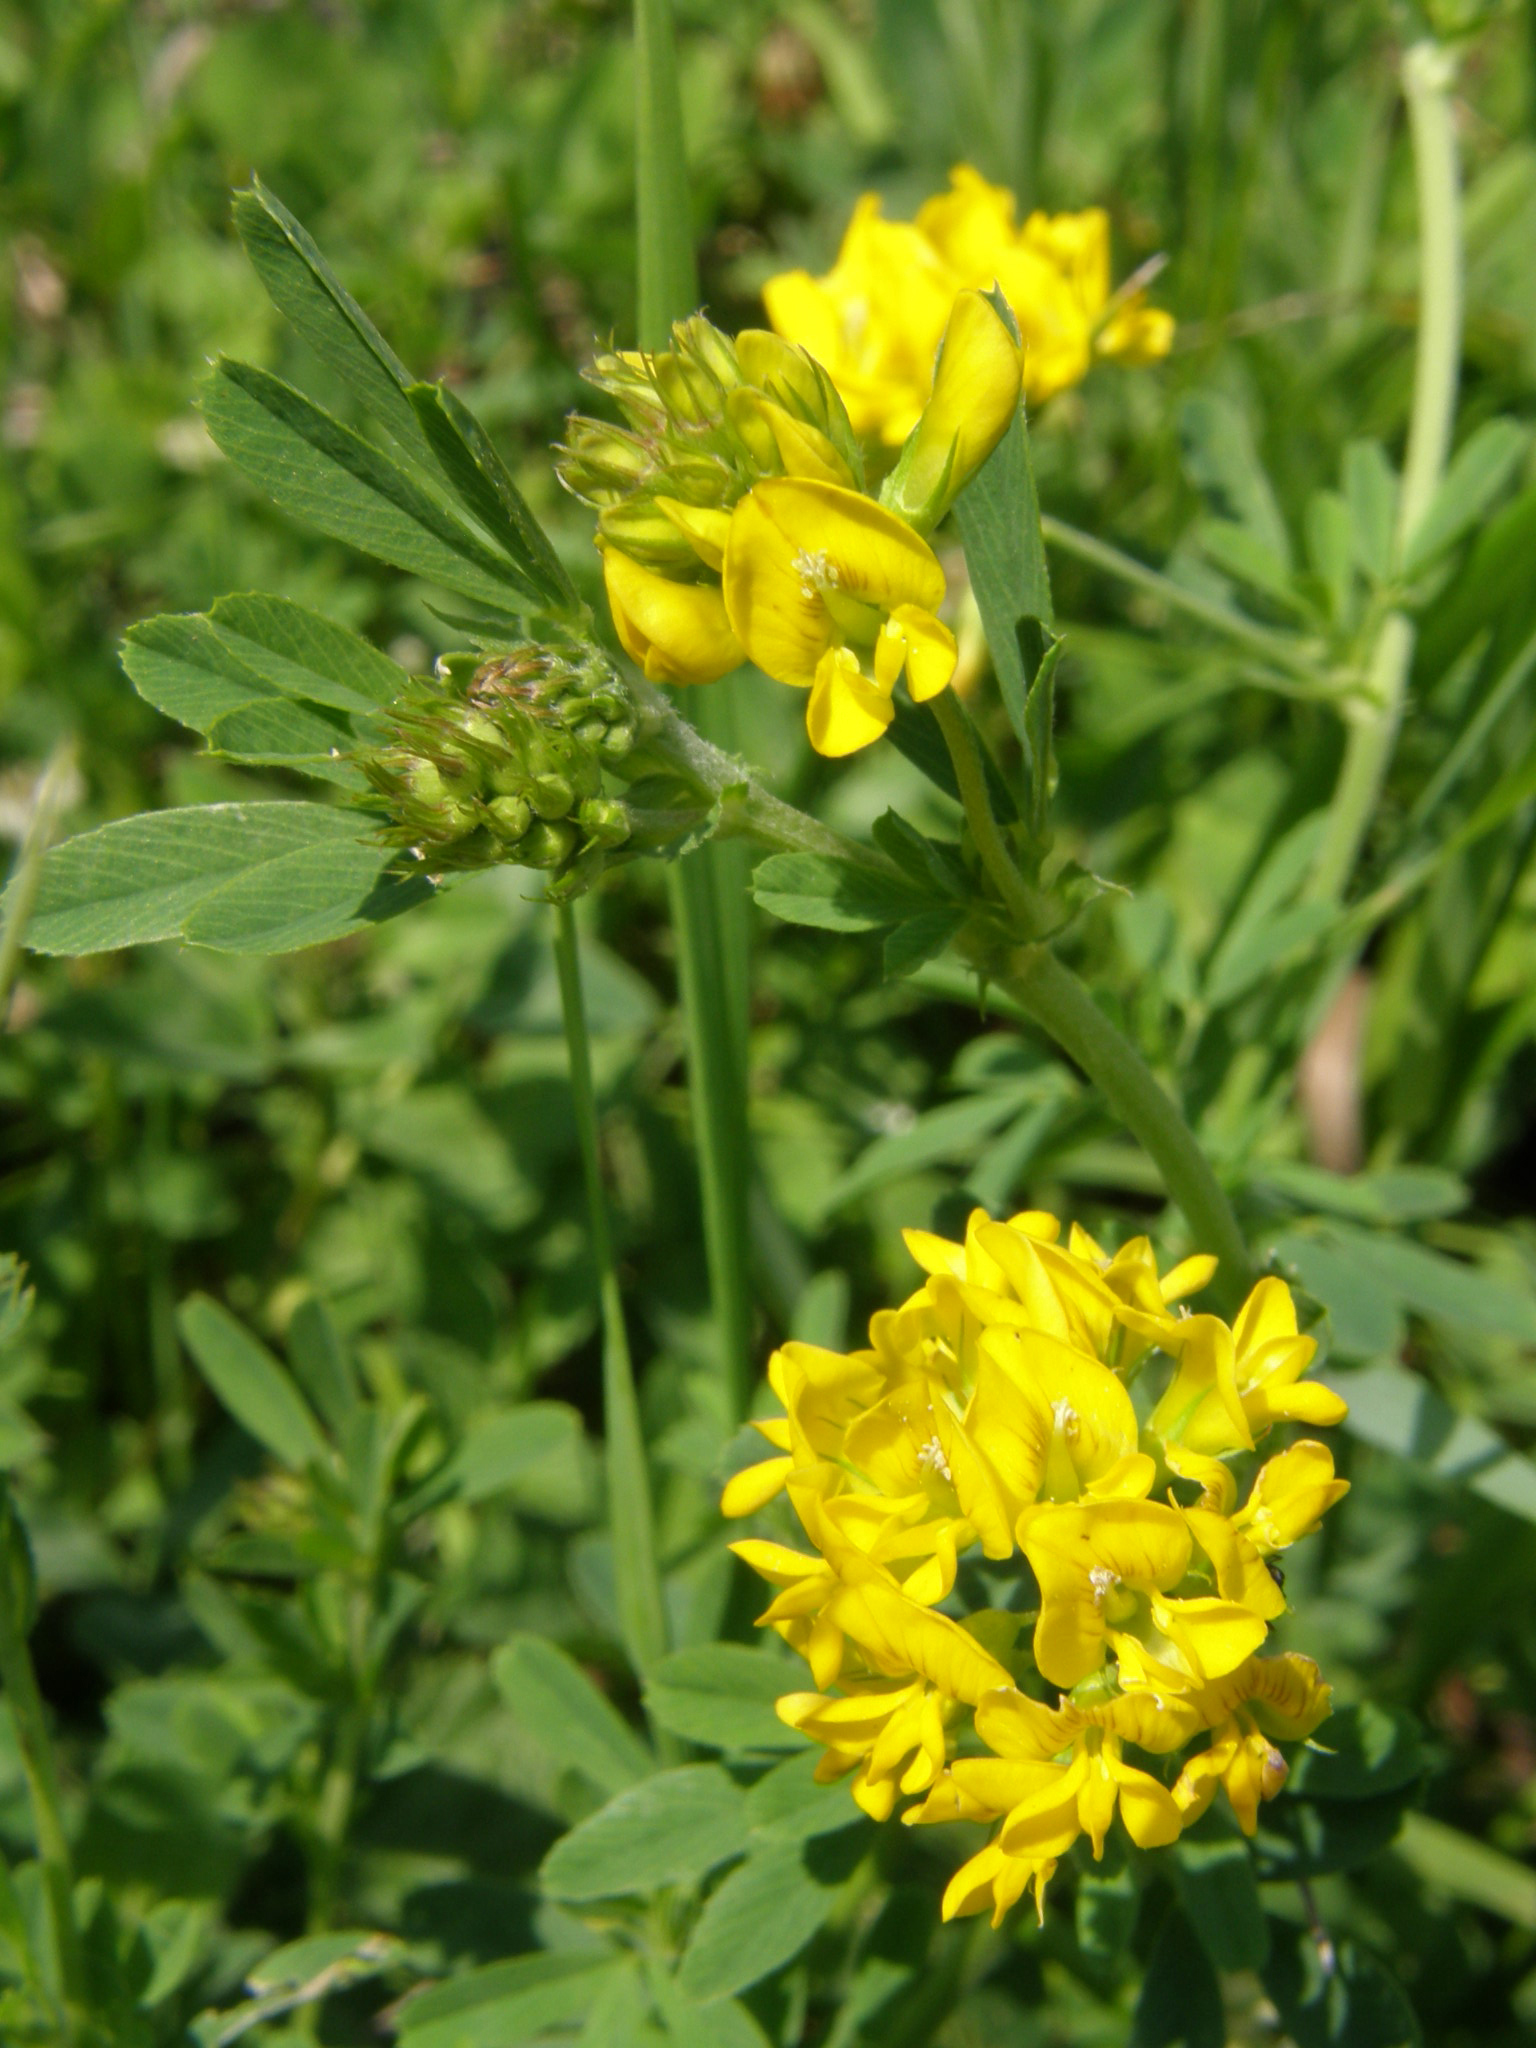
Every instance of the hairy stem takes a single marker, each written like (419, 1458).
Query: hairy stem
(1428, 71)
(637, 1579)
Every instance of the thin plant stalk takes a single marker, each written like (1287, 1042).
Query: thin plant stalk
(1428, 73)
(1283, 649)
(637, 1580)
(27, 875)
(34, 1742)
(707, 888)
(1057, 1000)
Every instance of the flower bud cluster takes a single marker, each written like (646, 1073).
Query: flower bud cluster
(501, 760)
(990, 1414)
(704, 421)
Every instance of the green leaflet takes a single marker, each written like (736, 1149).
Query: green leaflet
(1213, 1876)
(503, 2005)
(668, 1829)
(1349, 2001)
(722, 1695)
(1179, 2005)
(998, 514)
(762, 1913)
(323, 473)
(241, 877)
(303, 286)
(552, 1697)
(251, 1384)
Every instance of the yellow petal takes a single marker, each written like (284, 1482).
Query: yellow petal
(793, 541)
(1241, 1573)
(1290, 1495)
(931, 651)
(1212, 1636)
(677, 632)
(748, 1490)
(847, 711)
(706, 528)
(975, 396)
(1013, 1725)
(1188, 1277)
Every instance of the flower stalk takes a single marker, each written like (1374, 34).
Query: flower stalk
(637, 1579)
(706, 914)
(1428, 75)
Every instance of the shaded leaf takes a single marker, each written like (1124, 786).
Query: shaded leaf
(251, 1384)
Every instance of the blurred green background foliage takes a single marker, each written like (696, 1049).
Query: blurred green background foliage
(384, 1125)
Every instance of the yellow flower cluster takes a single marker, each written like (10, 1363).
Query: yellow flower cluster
(992, 1412)
(734, 525)
(876, 317)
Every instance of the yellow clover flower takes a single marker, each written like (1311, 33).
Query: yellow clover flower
(991, 1408)
(829, 592)
(1106, 1572)
(875, 319)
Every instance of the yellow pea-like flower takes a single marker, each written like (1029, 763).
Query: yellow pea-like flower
(814, 576)
(677, 632)
(875, 319)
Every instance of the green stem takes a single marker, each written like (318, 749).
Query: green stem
(669, 284)
(717, 1087)
(705, 886)
(1058, 1001)
(27, 875)
(34, 1741)
(1428, 71)
(1279, 648)
(1063, 1007)
(637, 1580)
(1030, 913)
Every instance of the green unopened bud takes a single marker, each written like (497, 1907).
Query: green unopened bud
(646, 535)
(616, 742)
(605, 822)
(691, 395)
(601, 463)
(703, 341)
(696, 479)
(551, 796)
(547, 845)
(510, 815)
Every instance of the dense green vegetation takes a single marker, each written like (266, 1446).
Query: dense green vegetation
(288, 1708)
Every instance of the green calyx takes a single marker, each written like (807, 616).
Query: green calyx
(501, 759)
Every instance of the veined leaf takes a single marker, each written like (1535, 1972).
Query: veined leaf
(303, 286)
(762, 1914)
(668, 1829)
(998, 514)
(722, 1694)
(306, 655)
(504, 2004)
(834, 895)
(314, 468)
(484, 486)
(259, 877)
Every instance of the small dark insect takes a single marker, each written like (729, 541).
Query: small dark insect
(1275, 1572)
